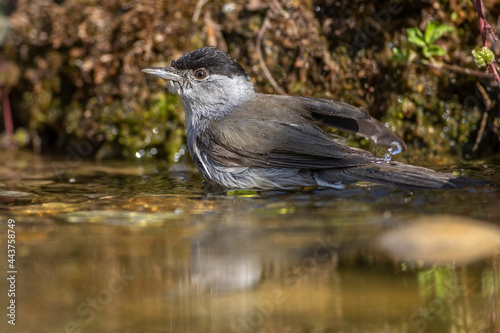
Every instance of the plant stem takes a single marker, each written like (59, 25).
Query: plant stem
(485, 28)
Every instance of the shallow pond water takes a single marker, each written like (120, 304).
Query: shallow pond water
(128, 247)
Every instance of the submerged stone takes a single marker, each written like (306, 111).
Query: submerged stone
(441, 239)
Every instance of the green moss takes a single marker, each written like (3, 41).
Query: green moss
(145, 132)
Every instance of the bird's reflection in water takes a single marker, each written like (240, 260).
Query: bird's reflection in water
(238, 259)
(224, 260)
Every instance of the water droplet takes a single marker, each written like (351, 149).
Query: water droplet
(179, 154)
(387, 157)
(140, 153)
(395, 148)
(229, 8)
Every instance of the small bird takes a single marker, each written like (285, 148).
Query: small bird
(241, 139)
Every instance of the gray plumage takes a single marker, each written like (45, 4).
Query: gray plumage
(242, 139)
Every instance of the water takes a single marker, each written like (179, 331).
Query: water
(125, 247)
(393, 149)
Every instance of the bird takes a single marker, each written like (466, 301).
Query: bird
(241, 139)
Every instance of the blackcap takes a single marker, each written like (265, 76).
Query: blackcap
(238, 138)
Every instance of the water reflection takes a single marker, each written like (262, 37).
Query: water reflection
(141, 249)
(224, 260)
(441, 239)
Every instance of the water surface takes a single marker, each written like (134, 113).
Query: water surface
(146, 247)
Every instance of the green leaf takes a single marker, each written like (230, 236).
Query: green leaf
(483, 57)
(243, 193)
(442, 29)
(435, 50)
(429, 31)
(426, 52)
(400, 55)
(415, 37)
(434, 31)
(478, 59)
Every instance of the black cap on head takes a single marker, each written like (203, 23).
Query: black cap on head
(214, 60)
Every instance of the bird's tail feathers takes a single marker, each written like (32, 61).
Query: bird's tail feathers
(396, 174)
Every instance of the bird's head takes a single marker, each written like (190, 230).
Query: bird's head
(209, 82)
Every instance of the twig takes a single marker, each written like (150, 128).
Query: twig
(266, 71)
(483, 24)
(482, 128)
(459, 69)
(485, 29)
(495, 72)
(197, 10)
(213, 30)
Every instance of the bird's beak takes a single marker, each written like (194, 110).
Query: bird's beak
(166, 73)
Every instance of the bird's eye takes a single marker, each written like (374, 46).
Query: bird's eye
(200, 74)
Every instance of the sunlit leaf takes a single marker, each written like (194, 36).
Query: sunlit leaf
(415, 37)
(436, 50)
(243, 193)
(434, 31)
(483, 57)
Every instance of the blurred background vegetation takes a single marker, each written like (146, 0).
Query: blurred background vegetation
(71, 68)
